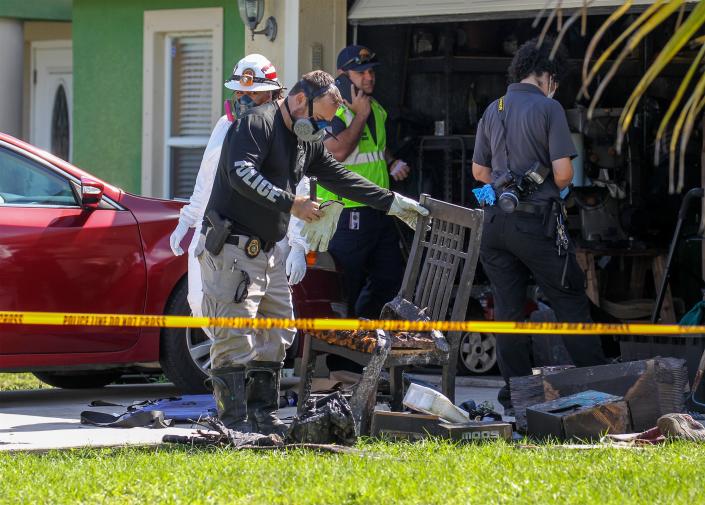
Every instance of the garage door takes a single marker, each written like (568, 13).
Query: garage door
(377, 12)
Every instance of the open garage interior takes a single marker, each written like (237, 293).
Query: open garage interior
(439, 73)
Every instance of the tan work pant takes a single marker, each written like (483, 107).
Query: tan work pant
(268, 296)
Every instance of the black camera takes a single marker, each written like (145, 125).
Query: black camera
(511, 190)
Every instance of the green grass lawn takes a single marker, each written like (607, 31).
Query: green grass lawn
(421, 473)
(432, 472)
(15, 381)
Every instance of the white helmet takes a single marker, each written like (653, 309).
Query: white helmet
(254, 73)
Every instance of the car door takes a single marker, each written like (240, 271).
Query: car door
(58, 257)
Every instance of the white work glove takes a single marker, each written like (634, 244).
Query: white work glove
(176, 237)
(296, 264)
(407, 210)
(318, 233)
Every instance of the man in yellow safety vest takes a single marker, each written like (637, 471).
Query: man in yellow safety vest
(366, 242)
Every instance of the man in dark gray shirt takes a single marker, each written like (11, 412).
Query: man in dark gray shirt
(527, 129)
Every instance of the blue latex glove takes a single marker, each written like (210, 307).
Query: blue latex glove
(485, 195)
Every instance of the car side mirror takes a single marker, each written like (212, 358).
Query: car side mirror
(91, 193)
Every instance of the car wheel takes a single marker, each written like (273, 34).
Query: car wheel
(184, 352)
(78, 380)
(477, 353)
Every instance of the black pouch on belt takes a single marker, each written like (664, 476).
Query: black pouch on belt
(217, 233)
(551, 220)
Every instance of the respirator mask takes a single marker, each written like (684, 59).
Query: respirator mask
(239, 106)
(309, 129)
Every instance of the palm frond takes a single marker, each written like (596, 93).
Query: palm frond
(651, 24)
(680, 93)
(538, 17)
(681, 13)
(699, 97)
(559, 38)
(598, 37)
(549, 21)
(695, 21)
(674, 143)
(622, 37)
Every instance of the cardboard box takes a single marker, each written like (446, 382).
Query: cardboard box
(586, 415)
(405, 425)
(478, 431)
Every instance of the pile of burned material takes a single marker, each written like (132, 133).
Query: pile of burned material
(397, 309)
(651, 388)
(326, 424)
(366, 341)
(585, 403)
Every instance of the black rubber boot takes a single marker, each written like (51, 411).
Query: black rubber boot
(230, 400)
(263, 378)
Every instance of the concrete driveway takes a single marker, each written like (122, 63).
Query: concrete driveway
(44, 419)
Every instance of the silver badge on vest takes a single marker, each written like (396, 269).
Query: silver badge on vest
(355, 220)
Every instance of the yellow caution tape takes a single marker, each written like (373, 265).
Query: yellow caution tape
(78, 319)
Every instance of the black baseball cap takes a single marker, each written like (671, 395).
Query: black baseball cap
(357, 58)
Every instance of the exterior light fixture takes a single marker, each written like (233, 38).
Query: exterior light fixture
(251, 13)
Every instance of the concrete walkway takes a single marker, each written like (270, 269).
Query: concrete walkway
(45, 419)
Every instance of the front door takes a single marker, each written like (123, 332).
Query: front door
(51, 104)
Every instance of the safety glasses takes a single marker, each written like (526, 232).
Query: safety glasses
(363, 57)
(249, 79)
(241, 289)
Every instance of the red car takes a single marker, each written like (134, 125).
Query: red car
(72, 243)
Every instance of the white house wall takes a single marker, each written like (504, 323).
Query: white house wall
(11, 56)
(304, 26)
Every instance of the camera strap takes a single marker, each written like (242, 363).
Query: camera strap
(502, 113)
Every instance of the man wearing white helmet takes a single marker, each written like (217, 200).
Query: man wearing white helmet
(262, 88)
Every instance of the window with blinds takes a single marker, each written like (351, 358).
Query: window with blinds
(189, 76)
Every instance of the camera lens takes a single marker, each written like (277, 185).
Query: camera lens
(508, 201)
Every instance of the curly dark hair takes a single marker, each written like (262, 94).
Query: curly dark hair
(530, 59)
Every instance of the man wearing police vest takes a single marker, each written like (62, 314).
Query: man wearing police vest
(366, 242)
(265, 154)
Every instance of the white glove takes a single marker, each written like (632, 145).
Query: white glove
(319, 233)
(407, 210)
(296, 264)
(176, 237)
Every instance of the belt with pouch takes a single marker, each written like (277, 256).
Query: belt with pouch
(532, 208)
(251, 245)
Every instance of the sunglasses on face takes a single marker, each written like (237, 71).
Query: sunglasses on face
(249, 80)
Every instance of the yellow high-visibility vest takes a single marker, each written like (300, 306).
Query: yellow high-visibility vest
(367, 159)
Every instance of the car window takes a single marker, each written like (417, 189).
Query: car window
(26, 182)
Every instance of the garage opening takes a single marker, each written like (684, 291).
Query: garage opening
(439, 73)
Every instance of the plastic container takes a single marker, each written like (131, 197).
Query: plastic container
(432, 402)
